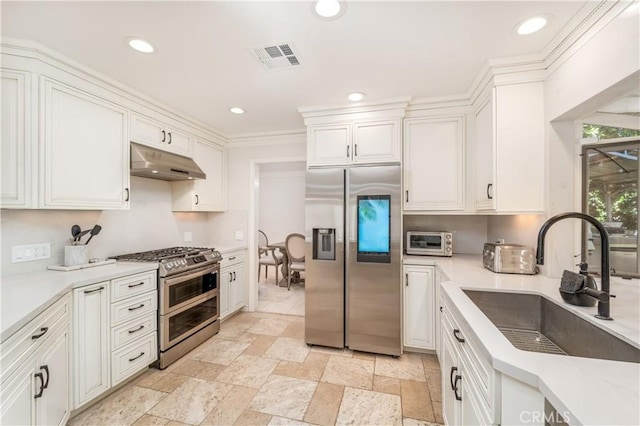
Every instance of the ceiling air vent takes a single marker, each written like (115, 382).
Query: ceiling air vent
(277, 57)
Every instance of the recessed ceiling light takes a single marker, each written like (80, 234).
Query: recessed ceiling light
(356, 96)
(327, 8)
(154, 171)
(140, 45)
(532, 25)
(236, 110)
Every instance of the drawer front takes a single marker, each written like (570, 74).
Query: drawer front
(134, 307)
(23, 342)
(132, 330)
(232, 258)
(133, 358)
(124, 287)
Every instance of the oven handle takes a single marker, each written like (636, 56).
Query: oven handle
(198, 273)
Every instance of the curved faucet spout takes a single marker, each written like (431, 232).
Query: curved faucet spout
(603, 306)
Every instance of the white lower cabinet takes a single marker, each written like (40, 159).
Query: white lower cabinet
(419, 307)
(36, 389)
(115, 325)
(232, 283)
(470, 386)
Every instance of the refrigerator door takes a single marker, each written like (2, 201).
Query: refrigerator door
(373, 305)
(324, 257)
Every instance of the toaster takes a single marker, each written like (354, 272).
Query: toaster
(509, 259)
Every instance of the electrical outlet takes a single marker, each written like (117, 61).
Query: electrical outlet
(239, 235)
(188, 237)
(30, 252)
(500, 241)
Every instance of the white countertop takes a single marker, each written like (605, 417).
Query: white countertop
(592, 391)
(226, 249)
(24, 296)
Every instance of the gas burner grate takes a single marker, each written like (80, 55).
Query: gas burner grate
(532, 341)
(162, 254)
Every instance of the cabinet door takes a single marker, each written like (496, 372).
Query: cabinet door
(15, 159)
(179, 142)
(147, 131)
(238, 285)
(53, 407)
(376, 142)
(91, 341)
(485, 156)
(434, 164)
(224, 293)
(329, 145)
(86, 151)
(210, 192)
(419, 307)
(450, 369)
(18, 403)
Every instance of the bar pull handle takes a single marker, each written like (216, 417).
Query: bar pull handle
(453, 370)
(406, 280)
(355, 150)
(136, 285)
(234, 275)
(136, 357)
(347, 151)
(127, 197)
(232, 258)
(490, 191)
(164, 136)
(136, 308)
(458, 336)
(197, 199)
(94, 290)
(407, 196)
(169, 138)
(136, 329)
(39, 394)
(46, 370)
(43, 331)
(455, 388)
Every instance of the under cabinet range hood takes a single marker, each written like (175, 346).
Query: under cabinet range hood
(155, 164)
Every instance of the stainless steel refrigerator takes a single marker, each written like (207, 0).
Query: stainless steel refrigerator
(353, 258)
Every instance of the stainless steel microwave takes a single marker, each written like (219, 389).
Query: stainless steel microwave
(429, 243)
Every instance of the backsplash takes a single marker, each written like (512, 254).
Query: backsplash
(470, 232)
(148, 224)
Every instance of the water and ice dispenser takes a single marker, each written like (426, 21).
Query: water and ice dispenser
(324, 243)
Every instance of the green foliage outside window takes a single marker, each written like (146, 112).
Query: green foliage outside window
(605, 132)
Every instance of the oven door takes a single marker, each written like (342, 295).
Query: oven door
(182, 290)
(185, 321)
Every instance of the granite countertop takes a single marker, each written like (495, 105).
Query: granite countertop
(591, 391)
(25, 296)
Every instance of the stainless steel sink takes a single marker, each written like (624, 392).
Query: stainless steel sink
(533, 323)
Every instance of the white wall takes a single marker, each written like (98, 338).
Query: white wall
(148, 224)
(281, 205)
(520, 229)
(601, 71)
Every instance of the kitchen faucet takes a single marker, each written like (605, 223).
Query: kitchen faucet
(603, 299)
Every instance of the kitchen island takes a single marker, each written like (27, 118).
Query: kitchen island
(582, 390)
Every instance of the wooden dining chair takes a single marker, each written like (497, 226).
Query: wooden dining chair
(267, 256)
(295, 252)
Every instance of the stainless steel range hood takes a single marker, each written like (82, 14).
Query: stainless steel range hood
(155, 164)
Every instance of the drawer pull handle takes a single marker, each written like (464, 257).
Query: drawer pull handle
(458, 336)
(39, 394)
(136, 285)
(453, 370)
(455, 388)
(234, 275)
(441, 309)
(46, 370)
(232, 258)
(142, 353)
(136, 330)
(137, 307)
(43, 331)
(93, 291)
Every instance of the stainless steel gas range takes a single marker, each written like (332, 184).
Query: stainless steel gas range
(189, 305)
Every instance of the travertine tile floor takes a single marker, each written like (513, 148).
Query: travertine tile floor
(275, 299)
(259, 371)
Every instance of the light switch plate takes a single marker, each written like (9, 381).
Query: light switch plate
(239, 235)
(188, 237)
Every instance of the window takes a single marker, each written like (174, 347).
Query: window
(610, 194)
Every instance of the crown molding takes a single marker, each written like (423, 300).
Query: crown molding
(286, 137)
(360, 107)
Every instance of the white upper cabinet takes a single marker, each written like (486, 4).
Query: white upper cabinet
(361, 135)
(15, 173)
(208, 195)
(86, 150)
(148, 131)
(509, 149)
(434, 166)
(362, 142)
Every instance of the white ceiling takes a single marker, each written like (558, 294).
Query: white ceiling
(203, 64)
